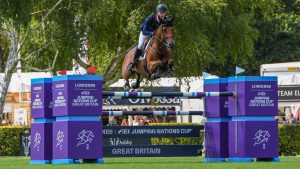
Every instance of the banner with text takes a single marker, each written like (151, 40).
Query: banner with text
(152, 151)
(289, 93)
(150, 131)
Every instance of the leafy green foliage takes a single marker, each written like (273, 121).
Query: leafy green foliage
(279, 39)
(17, 11)
(211, 35)
(10, 140)
(289, 140)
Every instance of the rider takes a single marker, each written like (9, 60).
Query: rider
(148, 28)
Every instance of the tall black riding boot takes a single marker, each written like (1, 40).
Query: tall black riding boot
(137, 54)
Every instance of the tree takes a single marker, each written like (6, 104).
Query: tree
(14, 20)
(211, 35)
(279, 38)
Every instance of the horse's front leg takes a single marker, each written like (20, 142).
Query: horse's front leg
(170, 68)
(126, 85)
(155, 68)
(136, 85)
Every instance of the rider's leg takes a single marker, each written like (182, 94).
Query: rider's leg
(142, 39)
(138, 51)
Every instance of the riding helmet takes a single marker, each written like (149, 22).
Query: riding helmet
(162, 8)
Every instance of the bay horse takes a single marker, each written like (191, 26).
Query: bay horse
(157, 56)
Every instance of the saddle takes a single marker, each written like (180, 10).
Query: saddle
(148, 42)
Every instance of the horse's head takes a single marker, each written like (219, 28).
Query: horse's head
(166, 32)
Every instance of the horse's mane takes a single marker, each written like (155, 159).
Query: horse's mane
(167, 23)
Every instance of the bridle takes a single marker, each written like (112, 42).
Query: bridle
(161, 41)
(164, 39)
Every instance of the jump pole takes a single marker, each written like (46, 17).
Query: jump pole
(196, 95)
(154, 113)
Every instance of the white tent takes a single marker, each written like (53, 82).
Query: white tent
(20, 82)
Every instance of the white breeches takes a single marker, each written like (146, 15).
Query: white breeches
(142, 39)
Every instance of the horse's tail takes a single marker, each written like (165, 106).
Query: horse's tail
(133, 46)
(115, 60)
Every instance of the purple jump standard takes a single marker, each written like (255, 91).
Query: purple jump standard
(75, 95)
(216, 106)
(77, 105)
(256, 96)
(41, 98)
(253, 139)
(41, 128)
(77, 138)
(41, 142)
(253, 131)
(216, 127)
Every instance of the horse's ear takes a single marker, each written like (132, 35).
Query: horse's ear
(172, 19)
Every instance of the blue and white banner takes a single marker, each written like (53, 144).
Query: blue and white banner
(151, 131)
(152, 151)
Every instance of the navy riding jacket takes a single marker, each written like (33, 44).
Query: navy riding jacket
(149, 25)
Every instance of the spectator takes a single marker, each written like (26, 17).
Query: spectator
(113, 121)
(297, 117)
(136, 121)
(290, 119)
(145, 121)
(154, 120)
(280, 117)
(124, 122)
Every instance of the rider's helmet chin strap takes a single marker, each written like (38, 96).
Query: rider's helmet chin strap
(157, 18)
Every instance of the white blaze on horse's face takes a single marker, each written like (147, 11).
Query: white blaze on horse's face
(168, 32)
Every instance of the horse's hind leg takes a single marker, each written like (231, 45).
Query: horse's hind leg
(136, 85)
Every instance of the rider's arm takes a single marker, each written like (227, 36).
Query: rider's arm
(147, 24)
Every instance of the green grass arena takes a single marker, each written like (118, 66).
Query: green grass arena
(288, 162)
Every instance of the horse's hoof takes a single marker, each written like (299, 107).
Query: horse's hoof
(134, 86)
(169, 74)
(158, 74)
(153, 76)
(126, 87)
